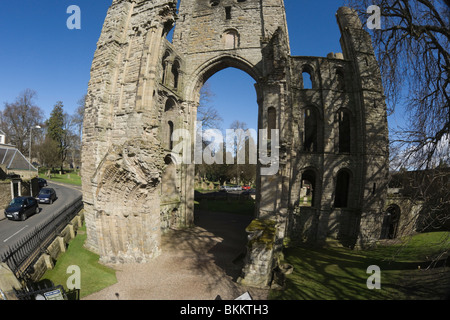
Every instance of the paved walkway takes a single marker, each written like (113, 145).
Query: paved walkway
(195, 264)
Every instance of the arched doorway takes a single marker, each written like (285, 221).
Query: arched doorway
(308, 188)
(391, 222)
(226, 213)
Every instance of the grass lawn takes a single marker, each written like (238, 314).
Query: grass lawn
(94, 276)
(71, 178)
(336, 273)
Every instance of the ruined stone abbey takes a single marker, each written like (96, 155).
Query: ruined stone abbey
(333, 134)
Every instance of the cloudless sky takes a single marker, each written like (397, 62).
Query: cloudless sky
(39, 52)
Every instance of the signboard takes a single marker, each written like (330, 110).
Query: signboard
(54, 295)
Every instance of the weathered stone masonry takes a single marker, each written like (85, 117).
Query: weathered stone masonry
(333, 135)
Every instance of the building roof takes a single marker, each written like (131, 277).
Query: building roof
(12, 159)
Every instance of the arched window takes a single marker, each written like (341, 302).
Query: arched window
(311, 118)
(307, 190)
(175, 73)
(307, 77)
(164, 66)
(169, 135)
(169, 180)
(170, 105)
(230, 39)
(342, 189)
(344, 131)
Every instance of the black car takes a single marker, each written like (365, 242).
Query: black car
(21, 208)
(42, 182)
(46, 195)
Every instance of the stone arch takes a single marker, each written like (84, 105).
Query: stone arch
(308, 78)
(309, 187)
(170, 104)
(214, 65)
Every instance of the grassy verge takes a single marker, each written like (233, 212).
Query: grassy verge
(336, 273)
(70, 178)
(94, 276)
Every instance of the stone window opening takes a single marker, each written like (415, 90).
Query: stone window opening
(164, 66)
(170, 105)
(307, 78)
(391, 222)
(170, 133)
(176, 74)
(228, 13)
(311, 118)
(271, 121)
(342, 189)
(307, 190)
(344, 131)
(340, 80)
(230, 39)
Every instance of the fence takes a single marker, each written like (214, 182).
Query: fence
(25, 253)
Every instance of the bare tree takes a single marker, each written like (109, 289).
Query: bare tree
(241, 144)
(412, 48)
(206, 113)
(19, 117)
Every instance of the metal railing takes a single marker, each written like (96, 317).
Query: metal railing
(21, 256)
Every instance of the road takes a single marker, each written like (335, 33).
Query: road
(12, 231)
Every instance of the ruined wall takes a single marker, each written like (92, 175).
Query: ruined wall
(123, 156)
(332, 135)
(341, 144)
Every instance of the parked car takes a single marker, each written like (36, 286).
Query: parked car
(42, 182)
(230, 188)
(21, 208)
(46, 195)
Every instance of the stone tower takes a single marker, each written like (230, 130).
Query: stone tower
(329, 177)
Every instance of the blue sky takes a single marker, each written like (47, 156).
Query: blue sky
(39, 52)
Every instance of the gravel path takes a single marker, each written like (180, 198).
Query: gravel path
(195, 264)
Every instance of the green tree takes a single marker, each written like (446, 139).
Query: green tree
(58, 130)
(48, 152)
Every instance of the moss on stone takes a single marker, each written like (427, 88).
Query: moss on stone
(266, 230)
